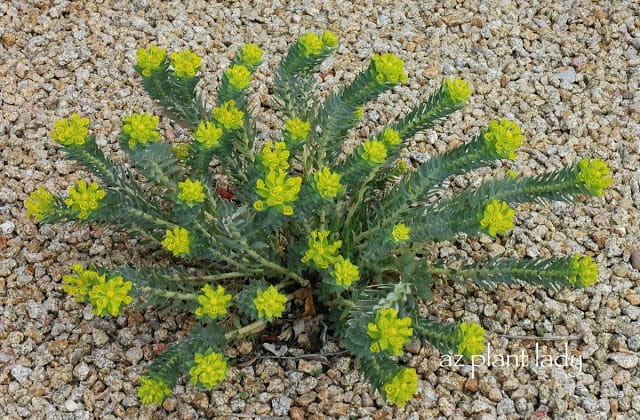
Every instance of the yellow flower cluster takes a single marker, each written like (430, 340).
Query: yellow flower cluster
(251, 55)
(583, 271)
(109, 296)
(389, 69)
(39, 203)
(269, 303)
(181, 151)
(402, 387)
(321, 252)
(390, 137)
(297, 129)
(345, 272)
(311, 44)
(84, 199)
(388, 332)
(209, 369)
(190, 192)
(213, 303)
(400, 232)
(141, 129)
(327, 183)
(73, 131)
(177, 241)
(594, 174)
(185, 63)
(151, 59)
(78, 285)
(470, 339)
(457, 89)
(208, 134)
(152, 391)
(329, 39)
(373, 151)
(504, 137)
(276, 158)
(277, 190)
(239, 76)
(228, 115)
(497, 217)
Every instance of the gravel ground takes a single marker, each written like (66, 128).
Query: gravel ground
(568, 73)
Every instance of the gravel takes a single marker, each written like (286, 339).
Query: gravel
(568, 72)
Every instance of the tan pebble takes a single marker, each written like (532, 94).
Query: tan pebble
(471, 384)
(633, 299)
(296, 413)
(245, 347)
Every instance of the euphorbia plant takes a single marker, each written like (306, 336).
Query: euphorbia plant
(298, 212)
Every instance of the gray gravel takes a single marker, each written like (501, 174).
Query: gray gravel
(568, 73)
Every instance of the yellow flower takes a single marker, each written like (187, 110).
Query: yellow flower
(345, 272)
(269, 303)
(109, 296)
(328, 183)
(208, 134)
(497, 217)
(512, 174)
(321, 252)
(152, 391)
(388, 332)
(583, 271)
(457, 89)
(39, 203)
(297, 129)
(329, 39)
(278, 191)
(73, 131)
(402, 387)
(389, 69)
(228, 115)
(177, 241)
(209, 369)
(390, 137)
(311, 44)
(84, 199)
(151, 59)
(78, 285)
(400, 232)
(504, 137)
(275, 159)
(191, 192)
(593, 174)
(251, 55)
(213, 303)
(239, 76)
(358, 114)
(373, 151)
(185, 63)
(470, 338)
(140, 129)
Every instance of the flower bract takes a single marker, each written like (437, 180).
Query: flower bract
(497, 217)
(78, 285)
(39, 204)
(321, 252)
(251, 55)
(594, 174)
(400, 232)
(457, 90)
(297, 129)
(327, 182)
(504, 137)
(239, 76)
(345, 272)
(275, 156)
(311, 44)
(209, 369)
(191, 192)
(329, 39)
(270, 303)
(402, 387)
(140, 129)
(107, 297)
(390, 137)
(389, 68)
(84, 199)
(228, 115)
(177, 241)
(388, 332)
(151, 59)
(277, 190)
(213, 303)
(152, 390)
(374, 151)
(470, 339)
(208, 134)
(583, 271)
(185, 63)
(72, 131)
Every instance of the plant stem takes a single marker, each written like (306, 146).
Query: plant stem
(169, 294)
